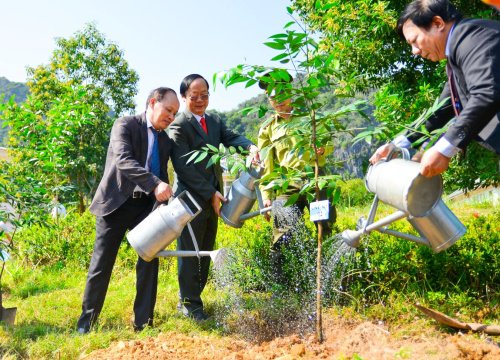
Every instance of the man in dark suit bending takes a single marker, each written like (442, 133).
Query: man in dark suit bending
(192, 130)
(135, 176)
(435, 30)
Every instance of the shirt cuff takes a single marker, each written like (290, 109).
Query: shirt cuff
(402, 141)
(445, 148)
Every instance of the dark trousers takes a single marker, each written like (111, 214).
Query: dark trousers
(193, 272)
(110, 230)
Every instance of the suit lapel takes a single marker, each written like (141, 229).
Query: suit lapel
(212, 130)
(144, 139)
(196, 125)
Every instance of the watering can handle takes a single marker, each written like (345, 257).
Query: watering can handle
(405, 154)
(157, 203)
(185, 192)
(198, 207)
(181, 195)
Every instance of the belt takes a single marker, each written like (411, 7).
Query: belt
(138, 194)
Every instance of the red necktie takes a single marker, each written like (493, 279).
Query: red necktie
(203, 124)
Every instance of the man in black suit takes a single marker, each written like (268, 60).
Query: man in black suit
(135, 176)
(436, 31)
(192, 130)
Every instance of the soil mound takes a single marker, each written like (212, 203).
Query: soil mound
(343, 339)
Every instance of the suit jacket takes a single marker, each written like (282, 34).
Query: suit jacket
(187, 135)
(475, 60)
(125, 170)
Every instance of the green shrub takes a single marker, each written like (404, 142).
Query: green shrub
(353, 193)
(470, 266)
(68, 241)
(249, 258)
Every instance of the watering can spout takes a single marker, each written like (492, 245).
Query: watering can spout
(242, 196)
(351, 238)
(218, 256)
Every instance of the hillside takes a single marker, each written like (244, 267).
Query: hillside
(8, 89)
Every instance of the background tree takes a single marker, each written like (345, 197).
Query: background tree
(374, 59)
(59, 136)
(87, 58)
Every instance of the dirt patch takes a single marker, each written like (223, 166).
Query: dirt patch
(343, 339)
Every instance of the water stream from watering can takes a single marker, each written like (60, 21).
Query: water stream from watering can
(254, 304)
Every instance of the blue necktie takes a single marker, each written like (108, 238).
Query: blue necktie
(155, 155)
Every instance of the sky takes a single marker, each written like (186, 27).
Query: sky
(163, 40)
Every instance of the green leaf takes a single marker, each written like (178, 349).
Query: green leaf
(278, 36)
(292, 199)
(201, 157)
(280, 56)
(250, 83)
(214, 159)
(213, 148)
(275, 45)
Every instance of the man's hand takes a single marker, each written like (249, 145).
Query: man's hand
(254, 153)
(433, 163)
(216, 201)
(267, 215)
(382, 152)
(163, 192)
(418, 156)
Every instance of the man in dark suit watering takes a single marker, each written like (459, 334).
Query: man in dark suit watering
(192, 130)
(135, 176)
(436, 31)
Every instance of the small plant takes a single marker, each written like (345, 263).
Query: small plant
(310, 125)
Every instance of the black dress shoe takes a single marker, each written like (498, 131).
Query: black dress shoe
(139, 328)
(83, 330)
(199, 316)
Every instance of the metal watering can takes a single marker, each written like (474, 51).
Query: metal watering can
(398, 183)
(242, 195)
(165, 224)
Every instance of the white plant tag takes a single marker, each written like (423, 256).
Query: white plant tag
(319, 210)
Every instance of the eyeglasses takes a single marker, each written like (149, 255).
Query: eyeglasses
(203, 97)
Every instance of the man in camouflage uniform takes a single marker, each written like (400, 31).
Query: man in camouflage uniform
(286, 220)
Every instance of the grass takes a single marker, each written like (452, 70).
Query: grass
(48, 301)
(46, 318)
